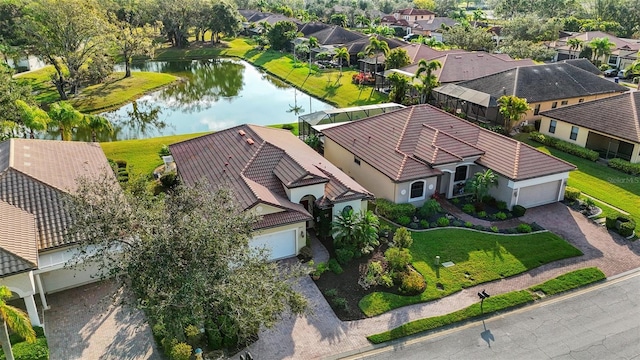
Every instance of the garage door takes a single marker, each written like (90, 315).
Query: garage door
(282, 244)
(537, 195)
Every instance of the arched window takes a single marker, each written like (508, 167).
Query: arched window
(346, 209)
(417, 190)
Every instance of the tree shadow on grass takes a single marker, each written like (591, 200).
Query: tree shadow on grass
(331, 89)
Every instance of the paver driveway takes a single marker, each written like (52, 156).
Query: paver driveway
(84, 323)
(322, 335)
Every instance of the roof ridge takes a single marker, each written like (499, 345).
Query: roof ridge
(438, 148)
(11, 152)
(307, 172)
(404, 129)
(253, 157)
(18, 256)
(634, 110)
(516, 160)
(457, 138)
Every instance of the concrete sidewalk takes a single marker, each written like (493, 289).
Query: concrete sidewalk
(322, 334)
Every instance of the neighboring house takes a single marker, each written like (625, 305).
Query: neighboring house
(358, 46)
(544, 87)
(276, 176)
(27, 63)
(35, 175)
(610, 126)
(416, 52)
(432, 27)
(406, 18)
(622, 55)
(309, 28)
(410, 154)
(254, 18)
(584, 64)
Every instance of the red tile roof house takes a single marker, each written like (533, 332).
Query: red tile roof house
(610, 126)
(405, 18)
(275, 175)
(34, 177)
(407, 155)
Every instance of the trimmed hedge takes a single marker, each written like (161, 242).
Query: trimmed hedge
(394, 211)
(626, 227)
(571, 193)
(518, 210)
(565, 146)
(625, 166)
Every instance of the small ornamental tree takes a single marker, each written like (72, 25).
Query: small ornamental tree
(402, 238)
(480, 184)
(512, 109)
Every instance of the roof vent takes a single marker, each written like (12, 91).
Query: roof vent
(250, 141)
(241, 132)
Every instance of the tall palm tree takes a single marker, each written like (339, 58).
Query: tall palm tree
(362, 20)
(428, 79)
(512, 109)
(16, 320)
(97, 124)
(313, 43)
(375, 47)
(33, 118)
(399, 86)
(575, 44)
(601, 48)
(340, 55)
(67, 118)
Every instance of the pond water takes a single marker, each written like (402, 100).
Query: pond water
(215, 95)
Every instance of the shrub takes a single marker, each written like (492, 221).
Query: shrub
(34, 351)
(169, 180)
(331, 293)
(623, 224)
(494, 229)
(482, 214)
(412, 283)
(565, 146)
(180, 351)
(123, 171)
(536, 227)
(344, 256)
(455, 201)
(430, 208)
(501, 205)
(625, 166)
(626, 228)
(571, 193)
(443, 221)
(489, 200)
(164, 151)
(528, 128)
(414, 225)
(424, 224)
(398, 259)
(394, 211)
(123, 177)
(469, 208)
(610, 221)
(386, 280)
(159, 332)
(214, 338)
(518, 210)
(468, 224)
(121, 163)
(306, 253)
(340, 303)
(501, 216)
(404, 220)
(457, 223)
(524, 228)
(334, 266)
(287, 127)
(193, 335)
(321, 268)
(402, 239)
(478, 227)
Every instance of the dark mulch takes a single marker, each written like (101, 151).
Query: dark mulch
(489, 208)
(346, 284)
(582, 207)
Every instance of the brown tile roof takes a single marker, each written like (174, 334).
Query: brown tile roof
(615, 115)
(412, 11)
(418, 52)
(336, 35)
(18, 240)
(260, 169)
(407, 143)
(588, 36)
(35, 175)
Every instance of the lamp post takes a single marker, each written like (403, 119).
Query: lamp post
(482, 295)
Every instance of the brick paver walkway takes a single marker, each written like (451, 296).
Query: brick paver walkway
(322, 334)
(85, 323)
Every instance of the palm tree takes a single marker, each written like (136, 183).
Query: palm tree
(66, 118)
(480, 184)
(575, 44)
(399, 85)
(428, 81)
(362, 20)
(601, 48)
(340, 55)
(16, 320)
(97, 124)
(367, 232)
(33, 118)
(512, 109)
(344, 229)
(376, 46)
(313, 43)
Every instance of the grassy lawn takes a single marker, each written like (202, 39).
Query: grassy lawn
(142, 154)
(562, 283)
(601, 182)
(478, 257)
(113, 93)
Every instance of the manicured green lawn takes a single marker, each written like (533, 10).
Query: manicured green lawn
(601, 182)
(478, 257)
(142, 154)
(562, 283)
(113, 93)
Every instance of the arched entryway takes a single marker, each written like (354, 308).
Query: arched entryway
(308, 201)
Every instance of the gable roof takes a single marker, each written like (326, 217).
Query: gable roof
(588, 36)
(544, 83)
(417, 52)
(406, 145)
(258, 163)
(312, 27)
(434, 24)
(584, 64)
(359, 45)
(412, 11)
(336, 35)
(615, 115)
(18, 248)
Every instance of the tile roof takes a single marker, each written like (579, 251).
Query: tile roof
(434, 24)
(584, 64)
(359, 45)
(258, 163)
(18, 240)
(615, 115)
(312, 27)
(418, 52)
(336, 35)
(590, 35)
(406, 145)
(412, 11)
(544, 83)
(34, 176)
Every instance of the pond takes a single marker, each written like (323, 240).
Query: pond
(215, 94)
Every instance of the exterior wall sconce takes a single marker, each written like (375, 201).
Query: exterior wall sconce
(302, 233)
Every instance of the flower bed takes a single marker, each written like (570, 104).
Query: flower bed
(489, 209)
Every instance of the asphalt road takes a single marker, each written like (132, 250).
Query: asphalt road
(600, 322)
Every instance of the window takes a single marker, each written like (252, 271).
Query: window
(417, 190)
(581, 100)
(461, 173)
(356, 160)
(552, 126)
(346, 210)
(536, 110)
(564, 102)
(554, 105)
(574, 133)
(613, 60)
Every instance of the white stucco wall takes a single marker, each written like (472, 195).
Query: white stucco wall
(403, 191)
(22, 284)
(295, 194)
(357, 206)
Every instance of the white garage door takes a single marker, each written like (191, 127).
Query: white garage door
(282, 244)
(541, 194)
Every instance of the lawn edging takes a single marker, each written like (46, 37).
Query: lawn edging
(495, 304)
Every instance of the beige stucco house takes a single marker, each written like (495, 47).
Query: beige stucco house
(35, 175)
(623, 53)
(410, 154)
(275, 175)
(610, 126)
